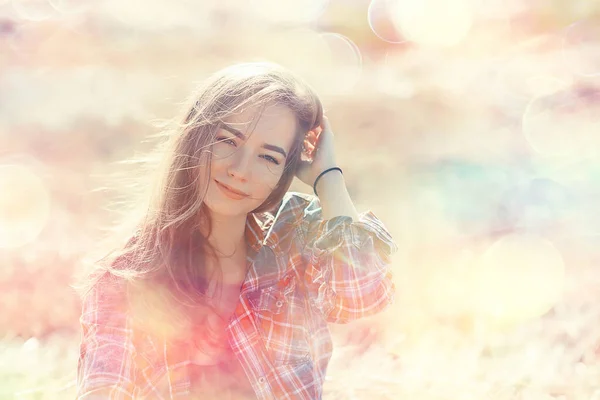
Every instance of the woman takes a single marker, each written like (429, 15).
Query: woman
(226, 288)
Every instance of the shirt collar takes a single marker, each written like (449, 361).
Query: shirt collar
(258, 229)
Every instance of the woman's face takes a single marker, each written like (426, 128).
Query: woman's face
(249, 157)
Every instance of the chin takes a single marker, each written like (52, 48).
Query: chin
(228, 210)
(224, 210)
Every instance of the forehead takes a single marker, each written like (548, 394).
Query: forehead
(275, 124)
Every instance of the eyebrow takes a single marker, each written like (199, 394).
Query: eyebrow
(241, 136)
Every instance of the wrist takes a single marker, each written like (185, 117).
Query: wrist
(327, 179)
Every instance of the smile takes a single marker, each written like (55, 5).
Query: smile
(230, 192)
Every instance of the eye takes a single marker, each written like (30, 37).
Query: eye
(271, 159)
(226, 140)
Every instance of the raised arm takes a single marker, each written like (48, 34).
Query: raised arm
(347, 262)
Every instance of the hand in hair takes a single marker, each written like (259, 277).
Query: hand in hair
(319, 146)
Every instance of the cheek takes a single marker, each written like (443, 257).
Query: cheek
(217, 164)
(266, 184)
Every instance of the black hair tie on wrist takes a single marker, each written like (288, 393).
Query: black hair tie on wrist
(323, 173)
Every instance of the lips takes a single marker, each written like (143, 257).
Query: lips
(231, 192)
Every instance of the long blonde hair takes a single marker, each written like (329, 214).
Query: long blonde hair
(168, 253)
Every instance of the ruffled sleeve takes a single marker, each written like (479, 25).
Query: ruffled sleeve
(347, 274)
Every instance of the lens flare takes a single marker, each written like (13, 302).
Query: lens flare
(24, 206)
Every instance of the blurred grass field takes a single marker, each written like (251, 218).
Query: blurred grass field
(469, 127)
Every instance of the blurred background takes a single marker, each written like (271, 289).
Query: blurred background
(470, 127)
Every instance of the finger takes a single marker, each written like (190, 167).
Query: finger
(310, 142)
(308, 148)
(313, 134)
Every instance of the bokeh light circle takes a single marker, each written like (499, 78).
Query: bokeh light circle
(24, 205)
(381, 23)
(563, 123)
(330, 62)
(524, 78)
(345, 61)
(437, 23)
(519, 277)
(536, 69)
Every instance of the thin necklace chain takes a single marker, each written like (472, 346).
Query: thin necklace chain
(232, 254)
(227, 256)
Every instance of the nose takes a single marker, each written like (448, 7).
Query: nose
(239, 168)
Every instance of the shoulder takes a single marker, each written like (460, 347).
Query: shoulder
(292, 219)
(297, 206)
(106, 300)
(103, 284)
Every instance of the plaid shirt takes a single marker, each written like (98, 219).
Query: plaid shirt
(304, 272)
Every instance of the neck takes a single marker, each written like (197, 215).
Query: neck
(228, 234)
